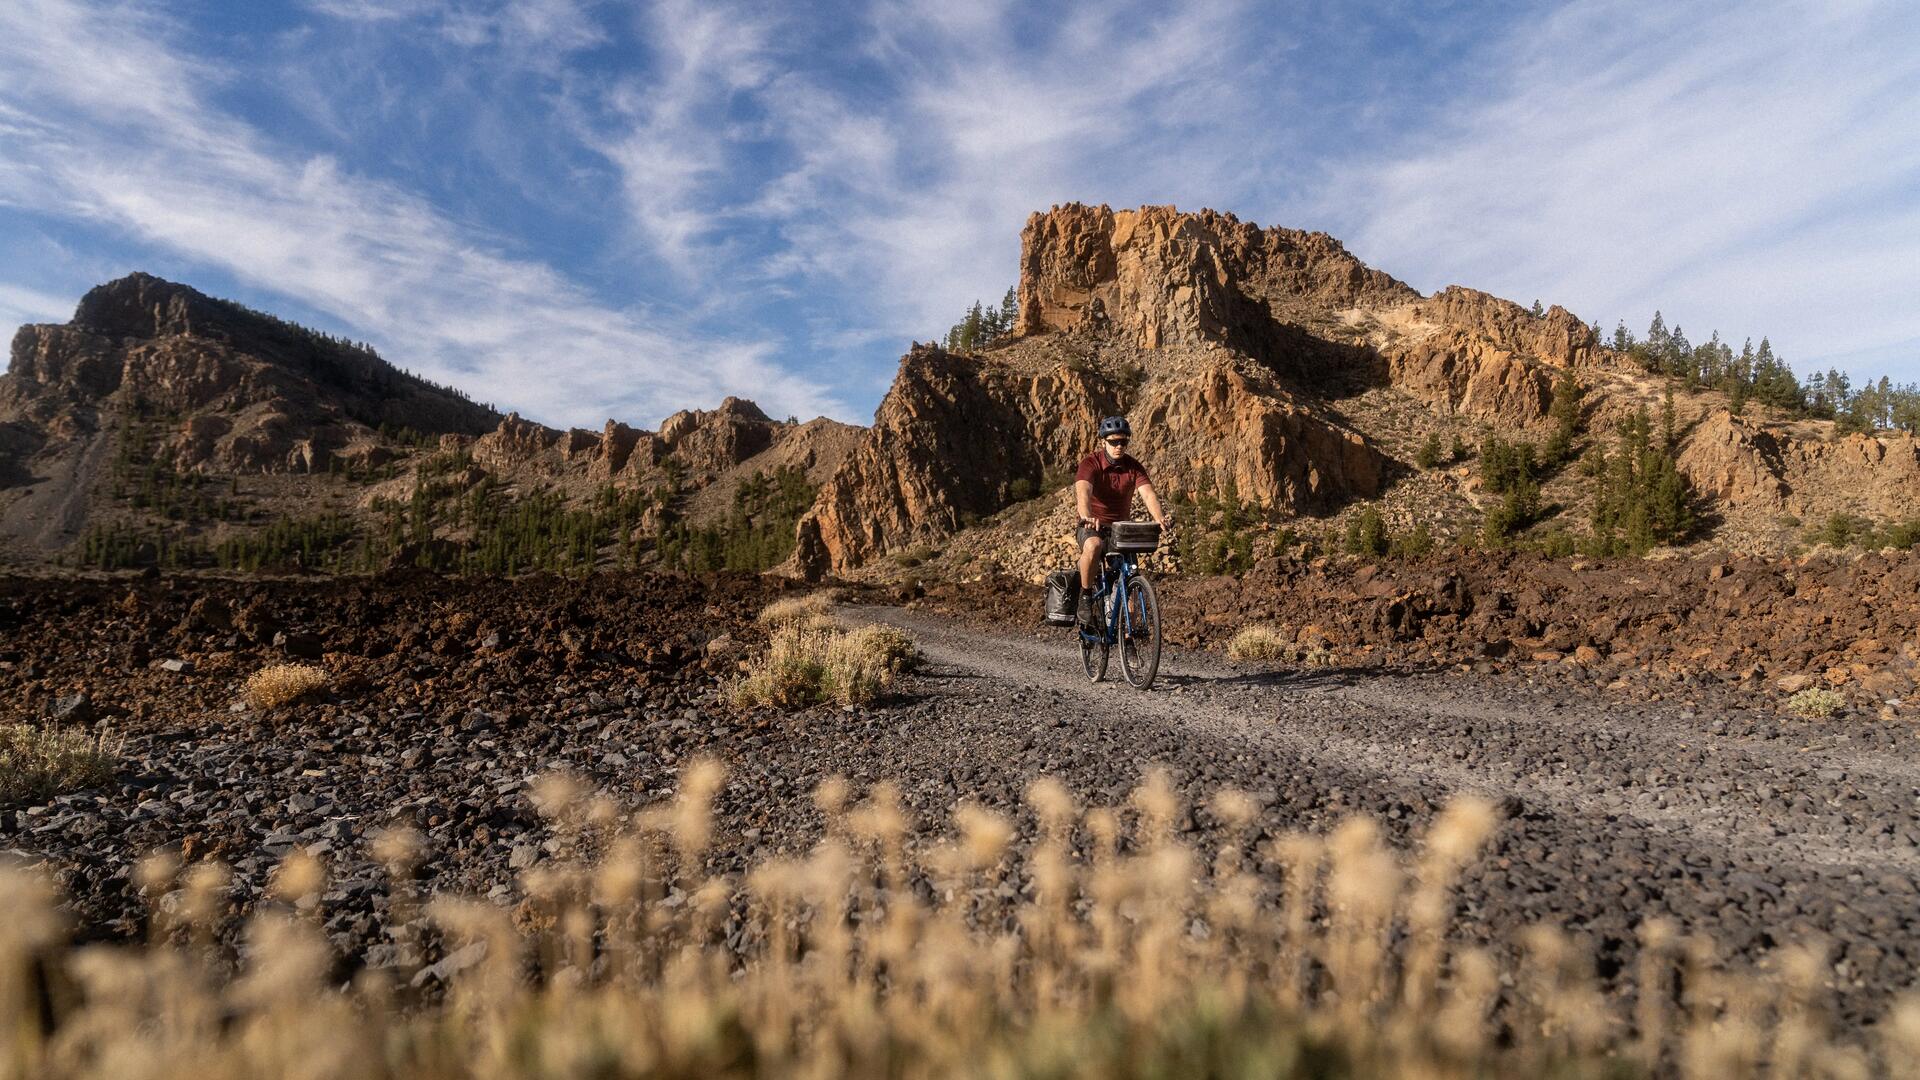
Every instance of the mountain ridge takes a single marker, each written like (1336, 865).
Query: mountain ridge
(1267, 370)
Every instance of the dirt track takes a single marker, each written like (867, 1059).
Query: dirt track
(1735, 822)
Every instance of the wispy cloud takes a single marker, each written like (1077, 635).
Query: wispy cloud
(19, 304)
(905, 187)
(132, 143)
(562, 25)
(1750, 167)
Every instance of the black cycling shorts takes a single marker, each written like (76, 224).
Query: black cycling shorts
(1104, 532)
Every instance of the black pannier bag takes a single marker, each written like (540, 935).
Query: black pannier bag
(1063, 597)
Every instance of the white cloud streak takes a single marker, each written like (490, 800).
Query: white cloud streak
(130, 142)
(20, 304)
(1746, 167)
(909, 197)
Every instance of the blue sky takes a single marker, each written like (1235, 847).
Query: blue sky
(588, 209)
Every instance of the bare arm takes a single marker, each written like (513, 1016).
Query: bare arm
(1083, 499)
(1153, 504)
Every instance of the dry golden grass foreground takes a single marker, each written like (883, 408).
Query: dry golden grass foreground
(1103, 947)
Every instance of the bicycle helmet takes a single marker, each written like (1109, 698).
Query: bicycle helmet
(1115, 425)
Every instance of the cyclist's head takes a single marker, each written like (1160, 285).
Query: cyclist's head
(1115, 434)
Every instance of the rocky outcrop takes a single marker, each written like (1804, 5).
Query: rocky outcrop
(945, 448)
(710, 441)
(1279, 452)
(1157, 277)
(1460, 375)
(1750, 465)
(957, 436)
(1557, 337)
(155, 371)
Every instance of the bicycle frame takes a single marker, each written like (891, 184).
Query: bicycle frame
(1116, 569)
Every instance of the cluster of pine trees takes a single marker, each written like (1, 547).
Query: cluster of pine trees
(1755, 373)
(757, 531)
(982, 325)
(1367, 534)
(1207, 545)
(144, 474)
(1640, 499)
(756, 534)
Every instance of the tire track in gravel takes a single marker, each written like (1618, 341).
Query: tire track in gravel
(1617, 810)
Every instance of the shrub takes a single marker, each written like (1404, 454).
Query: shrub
(1260, 643)
(792, 672)
(862, 664)
(810, 608)
(1367, 533)
(1429, 455)
(36, 763)
(1815, 703)
(279, 684)
(1418, 542)
(807, 664)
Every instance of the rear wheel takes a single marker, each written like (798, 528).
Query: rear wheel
(1140, 633)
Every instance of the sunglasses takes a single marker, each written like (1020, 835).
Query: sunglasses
(1118, 440)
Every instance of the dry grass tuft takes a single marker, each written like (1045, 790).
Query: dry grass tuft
(1260, 643)
(1816, 703)
(37, 763)
(806, 664)
(1125, 959)
(814, 610)
(862, 664)
(279, 684)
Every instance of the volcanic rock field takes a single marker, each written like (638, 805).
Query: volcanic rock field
(1628, 787)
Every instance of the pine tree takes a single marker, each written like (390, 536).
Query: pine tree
(1659, 342)
(1538, 311)
(1565, 413)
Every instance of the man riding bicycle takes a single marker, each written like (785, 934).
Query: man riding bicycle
(1103, 490)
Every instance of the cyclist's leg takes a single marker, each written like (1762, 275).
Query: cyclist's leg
(1092, 544)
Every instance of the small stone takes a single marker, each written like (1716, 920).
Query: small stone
(72, 709)
(299, 644)
(523, 856)
(177, 667)
(452, 964)
(1793, 684)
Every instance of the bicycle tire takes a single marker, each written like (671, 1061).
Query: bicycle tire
(1140, 639)
(1096, 668)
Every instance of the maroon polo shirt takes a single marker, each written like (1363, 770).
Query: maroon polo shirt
(1114, 482)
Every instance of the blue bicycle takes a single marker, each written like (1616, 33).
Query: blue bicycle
(1130, 611)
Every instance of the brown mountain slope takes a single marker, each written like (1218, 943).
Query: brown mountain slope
(207, 387)
(161, 425)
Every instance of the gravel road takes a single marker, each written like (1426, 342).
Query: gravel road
(1721, 815)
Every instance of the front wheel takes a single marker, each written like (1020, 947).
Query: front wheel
(1093, 657)
(1140, 633)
